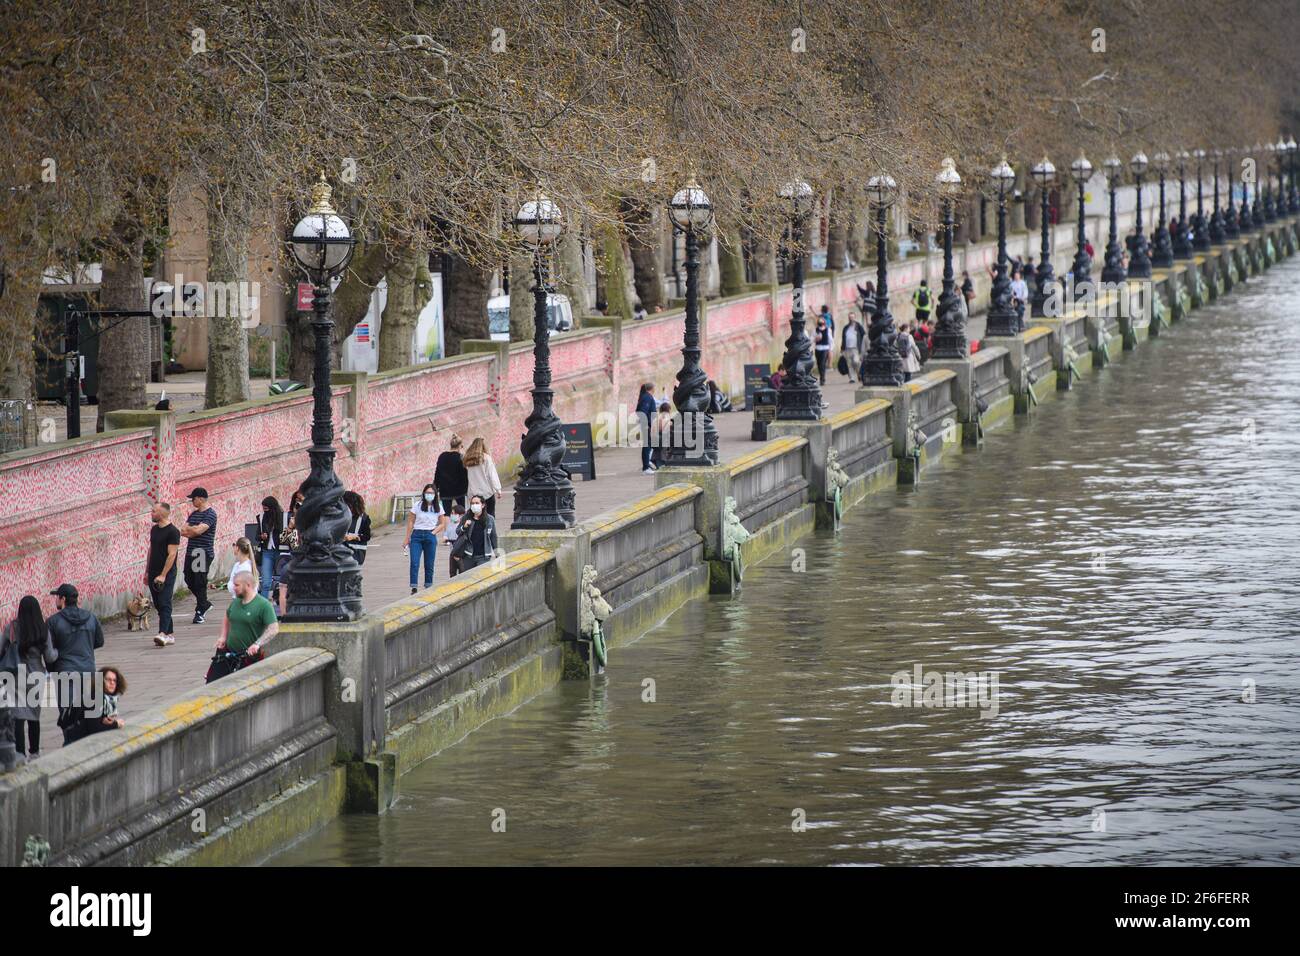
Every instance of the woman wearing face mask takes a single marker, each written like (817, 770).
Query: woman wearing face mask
(270, 526)
(423, 525)
(477, 538)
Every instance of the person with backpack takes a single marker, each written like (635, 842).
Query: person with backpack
(76, 634)
(921, 336)
(450, 477)
(25, 643)
(829, 316)
(646, 411)
(907, 351)
(922, 301)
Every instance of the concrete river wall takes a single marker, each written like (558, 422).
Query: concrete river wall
(332, 719)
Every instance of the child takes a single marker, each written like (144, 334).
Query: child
(453, 529)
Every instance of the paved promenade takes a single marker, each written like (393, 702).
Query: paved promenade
(156, 675)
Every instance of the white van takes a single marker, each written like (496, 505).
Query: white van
(559, 315)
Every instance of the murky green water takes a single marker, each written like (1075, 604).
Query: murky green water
(1126, 563)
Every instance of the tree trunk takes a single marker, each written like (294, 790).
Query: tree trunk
(401, 310)
(614, 268)
(227, 373)
(765, 262)
(731, 265)
(521, 298)
(18, 313)
(123, 349)
(467, 289)
(836, 236)
(572, 276)
(643, 242)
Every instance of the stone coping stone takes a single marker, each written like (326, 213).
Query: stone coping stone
(770, 451)
(669, 496)
(146, 730)
(858, 412)
(929, 380)
(463, 587)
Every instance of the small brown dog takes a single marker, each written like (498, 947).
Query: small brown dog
(137, 612)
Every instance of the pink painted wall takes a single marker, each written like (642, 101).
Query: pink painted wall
(388, 435)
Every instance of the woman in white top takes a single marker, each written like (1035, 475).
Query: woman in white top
(243, 551)
(424, 523)
(483, 478)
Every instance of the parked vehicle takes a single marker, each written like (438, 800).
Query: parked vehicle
(559, 315)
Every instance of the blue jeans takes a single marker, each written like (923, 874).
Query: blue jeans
(267, 573)
(423, 543)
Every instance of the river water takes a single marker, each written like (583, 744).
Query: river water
(1124, 563)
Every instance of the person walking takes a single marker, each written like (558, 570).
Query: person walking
(908, 352)
(967, 291)
(33, 650)
(242, 550)
(200, 532)
(922, 301)
(249, 624)
(160, 570)
(76, 634)
(1019, 293)
(829, 316)
(477, 538)
(270, 526)
(483, 478)
(424, 523)
(822, 347)
(851, 340)
(357, 536)
(647, 410)
(450, 477)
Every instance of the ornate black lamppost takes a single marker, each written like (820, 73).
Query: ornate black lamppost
(697, 441)
(1162, 249)
(883, 366)
(1270, 208)
(1245, 219)
(1231, 225)
(1218, 235)
(1182, 238)
(544, 495)
(1257, 209)
(1200, 228)
(1294, 194)
(1003, 319)
(1044, 174)
(1139, 265)
(1081, 172)
(950, 331)
(324, 579)
(1113, 270)
(800, 397)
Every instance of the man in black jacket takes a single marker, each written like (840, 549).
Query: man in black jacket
(76, 634)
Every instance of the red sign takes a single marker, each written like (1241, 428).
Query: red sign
(363, 332)
(306, 295)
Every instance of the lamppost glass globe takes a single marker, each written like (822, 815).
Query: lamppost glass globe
(1138, 163)
(690, 207)
(539, 221)
(882, 188)
(321, 241)
(800, 195)
(1081, 169)
(1043, 172)
(949, 179)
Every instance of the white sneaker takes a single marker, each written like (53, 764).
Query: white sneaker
(648, 471)
(163, 640)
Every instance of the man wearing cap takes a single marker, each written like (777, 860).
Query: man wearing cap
(76, 634)
(200, 532)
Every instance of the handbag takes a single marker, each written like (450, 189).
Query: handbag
(843, 365)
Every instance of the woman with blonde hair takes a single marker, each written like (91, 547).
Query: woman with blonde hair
(483, 479)
(243, 551)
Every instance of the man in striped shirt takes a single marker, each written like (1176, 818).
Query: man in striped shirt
(200, 550)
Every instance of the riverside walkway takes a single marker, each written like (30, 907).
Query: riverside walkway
(157, 675)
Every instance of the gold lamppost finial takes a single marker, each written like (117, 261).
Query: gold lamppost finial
(320, 197)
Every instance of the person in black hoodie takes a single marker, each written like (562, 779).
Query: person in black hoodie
(450, 478)
(76, 634)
